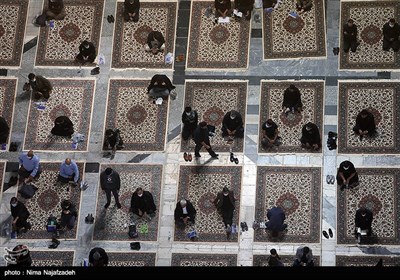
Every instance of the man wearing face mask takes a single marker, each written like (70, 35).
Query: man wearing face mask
(347, 176)
(142, 204)
(232, 124)
(190, 119)
(391, 34)
(30, 168)
(20, 215)
(56, 10)
(225, 204)
(310, 137)
(131, 10)
(87, 53)
(110, 182)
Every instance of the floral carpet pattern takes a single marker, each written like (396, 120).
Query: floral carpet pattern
(290, 126)
(58, 46)
(286, 37)
(200, 185)
(52, 258)
(70, 97)
(262, 260)
(297, 190)
(369, 17)
(380, 98)
(142, 124)
(131, 259)
(47, 201)
(214, 260)
(13, 15)
(216, 45)
(212, 100)
(363, 261)
(130, 38)
(7, 100)
(379, 192)
(112, 223)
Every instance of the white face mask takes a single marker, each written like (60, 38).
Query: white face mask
(346, 168)
(391, 25)
(226, 194)
(13, 204)
(140, 195)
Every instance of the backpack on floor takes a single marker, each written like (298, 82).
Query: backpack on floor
(51, 224)
(133, 231)
(27, 191)
(41, 20)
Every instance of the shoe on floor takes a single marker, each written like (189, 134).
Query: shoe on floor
(325, 234)
(245, 226)
(119, 205)
(190, 158)
(330, 232)
(215, 156)
(185, 156)
(106, 206)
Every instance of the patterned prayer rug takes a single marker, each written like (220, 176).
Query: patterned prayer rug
(52, 258)
(290, 126)
(298, 191)
(59, 45)
(216, 46)
(219, 260)
(7, 97)
(383, 100)
(379, 192)
(212, 100)
(286, 37)
(142, 124)
(130, 38)
(287, 260)
(13, 15)
(70, 97)
(112, 223)
(200, 185)
(367, 260)
(369, 17)
(130, 259)
(47, 201)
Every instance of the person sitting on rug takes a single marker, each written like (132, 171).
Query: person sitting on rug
(270, 134)
(55, 10)
(160, 86)
(69, 171)
(275, 225)
(223, 9)
(113, 140)
(270, 5)
(98, 257)
(20, 215)
(184, 214)
(19, 257)
(303, 6)
(142, 204)
(232, 125)
(155, 42)
(292, 100)
(225, 204)
(274, 259)
(30, 168)
(245, 7)
(87, 53)
(68, 215)
(63, 126)
(4, 130)
(350, 36)
(40, 86)
(131, 10)
(190, 119)
(310, 137)
(363, 222)
(347, 176)
(365, 124)
(304, 257)
(391, 36)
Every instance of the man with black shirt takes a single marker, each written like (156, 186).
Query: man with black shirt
(110, 182)
(347, 176)
(131, 10)
(365, 124)
(189, 119)
(349, 36)
(202, 139)
(391, 34)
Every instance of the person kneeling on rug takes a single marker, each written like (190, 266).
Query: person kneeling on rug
(184, 214)
(87, 53)
(160, 86)
(30, 168)
(41, 87)
(63, 126)
(155, 42)
(347, 176)
(365, 124)
(142, 204)
(20, 215)
(68, 215)
(310, 137)
(303, 6)
(68, 172)
(275, 225)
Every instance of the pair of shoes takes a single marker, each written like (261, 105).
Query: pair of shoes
(330, 179)
(54, 243)
(234, 159)
(110, 19)
(107, 204)
(244, 226)
(119, 205)
(185, 156)
(180, 58)
(95, 71)
(336, 50)
(325, 234)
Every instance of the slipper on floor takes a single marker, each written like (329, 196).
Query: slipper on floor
(325, 234)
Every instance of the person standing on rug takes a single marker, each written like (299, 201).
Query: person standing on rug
(87, 53)
(55, 10)
(363, 221)
(223, 9)
(225, 204)
(292, 100)
(391, 36)
(20, 215)
(63, 126)
(155, 42)
(160, 86)
(232, 125)
(184, 214)
(245, 7)
(350, 36)
(69, 171)
(304, 257)
(365, 124)
(142, 204)
(30, 168)
(347, 176)
(275, 225)
(131, 10)
(98, 257)
(68, 215)
(270, 135)
(303, 6)
(40, 86)
(190, 119)
(4, 130)
(110, 182)
(202, 139)
(310, 137)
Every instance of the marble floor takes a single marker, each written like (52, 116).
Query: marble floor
(167, 252)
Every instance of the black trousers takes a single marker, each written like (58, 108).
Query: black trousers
(198, 147)
(227, 215)
(115, 194)
(349, 45)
